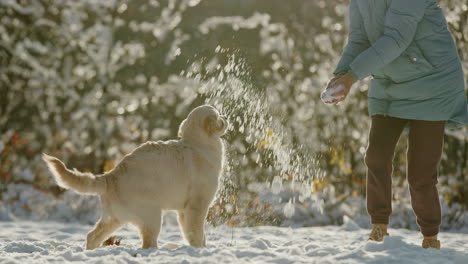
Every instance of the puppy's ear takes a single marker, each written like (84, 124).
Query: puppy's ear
(209, 124)
(182, 128)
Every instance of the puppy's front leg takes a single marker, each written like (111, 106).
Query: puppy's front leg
(193, 226)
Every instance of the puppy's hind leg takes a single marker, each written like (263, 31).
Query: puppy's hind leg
(102, 229)
(149, 230)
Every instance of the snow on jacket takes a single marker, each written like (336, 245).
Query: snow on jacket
(407, 48)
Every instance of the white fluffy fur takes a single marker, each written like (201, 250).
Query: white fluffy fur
(177, 175)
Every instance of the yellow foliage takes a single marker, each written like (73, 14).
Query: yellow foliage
(338, 158)
(319, 185)
(447, 196)
(348, 170)
(109, 165)
(267, 140)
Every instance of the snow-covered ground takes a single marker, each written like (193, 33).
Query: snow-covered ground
(53, 242)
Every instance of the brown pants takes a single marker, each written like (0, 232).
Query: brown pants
(425, 143)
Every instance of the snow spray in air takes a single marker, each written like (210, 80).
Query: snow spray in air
(250, 113)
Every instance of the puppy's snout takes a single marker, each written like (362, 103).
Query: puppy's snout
(224, 124)
(223, 119)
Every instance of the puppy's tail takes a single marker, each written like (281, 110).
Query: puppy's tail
(81, 182)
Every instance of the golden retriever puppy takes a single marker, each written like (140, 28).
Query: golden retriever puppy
(179, 175)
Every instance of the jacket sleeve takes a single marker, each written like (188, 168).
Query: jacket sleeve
(357, 39)
(401, 22)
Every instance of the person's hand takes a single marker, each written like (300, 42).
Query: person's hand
(346, 80)
(332, 80)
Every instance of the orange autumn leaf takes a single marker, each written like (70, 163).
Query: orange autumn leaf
(232, 223)
(111, 241)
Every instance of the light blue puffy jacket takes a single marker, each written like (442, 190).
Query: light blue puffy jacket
(406, 46)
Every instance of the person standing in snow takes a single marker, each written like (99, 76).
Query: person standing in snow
(417, 81)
